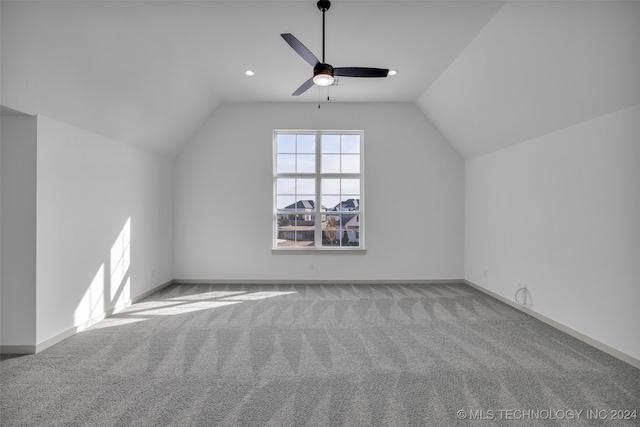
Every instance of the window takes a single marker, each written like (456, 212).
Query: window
(317, 186)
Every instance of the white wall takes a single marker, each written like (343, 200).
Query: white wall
(104, 225)
(18, 240)
(562, 213)
(223, 219)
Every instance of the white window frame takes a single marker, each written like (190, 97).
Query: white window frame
(318, 176)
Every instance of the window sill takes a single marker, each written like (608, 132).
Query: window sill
(327, 251)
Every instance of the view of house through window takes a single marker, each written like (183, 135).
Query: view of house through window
(318, 190)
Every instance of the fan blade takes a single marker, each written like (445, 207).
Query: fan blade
(303, 87)
(360, 72)
(301, 49)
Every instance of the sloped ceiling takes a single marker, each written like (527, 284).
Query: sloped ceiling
(487, 73)
(537, 68)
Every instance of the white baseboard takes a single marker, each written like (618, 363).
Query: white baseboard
(151, 291)
(32, 349)
(633, 361)
(318, 281)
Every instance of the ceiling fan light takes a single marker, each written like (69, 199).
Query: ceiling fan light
(323, 79)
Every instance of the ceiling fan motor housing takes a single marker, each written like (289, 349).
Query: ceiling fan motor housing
(321, 68)
(323, 75)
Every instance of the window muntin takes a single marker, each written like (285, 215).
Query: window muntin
(318, 190)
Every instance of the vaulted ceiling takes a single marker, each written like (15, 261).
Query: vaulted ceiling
(488, 74)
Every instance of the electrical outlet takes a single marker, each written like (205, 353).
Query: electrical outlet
(485, 273)
(312, 266)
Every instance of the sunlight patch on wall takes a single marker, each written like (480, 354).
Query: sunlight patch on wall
(120, 283)
(111, 285)
(92, 303)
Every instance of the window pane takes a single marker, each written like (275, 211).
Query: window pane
(285, 202)
(307, 144)
(330, 163)
(306, 186)
(341, 230)
(330, 202)
(290, 203)
(351, 144)
(306, 163)
(330, 143)
(348, 204)
(350, 186)
(331, 230)
(286, 163)
(350, 163)
(305, 204)
(330, 186)
(295, 230)
(286, 143)
(285, 186)
(350, 230)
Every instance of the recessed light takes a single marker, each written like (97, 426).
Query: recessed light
(393, 72)
(249, 73)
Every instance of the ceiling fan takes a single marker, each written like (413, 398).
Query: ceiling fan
(323, 73)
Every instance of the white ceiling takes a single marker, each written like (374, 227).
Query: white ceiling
(488, 73)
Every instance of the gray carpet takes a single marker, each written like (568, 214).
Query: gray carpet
(318, 355)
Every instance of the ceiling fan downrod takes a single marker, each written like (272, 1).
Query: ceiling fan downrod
(323, 5)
